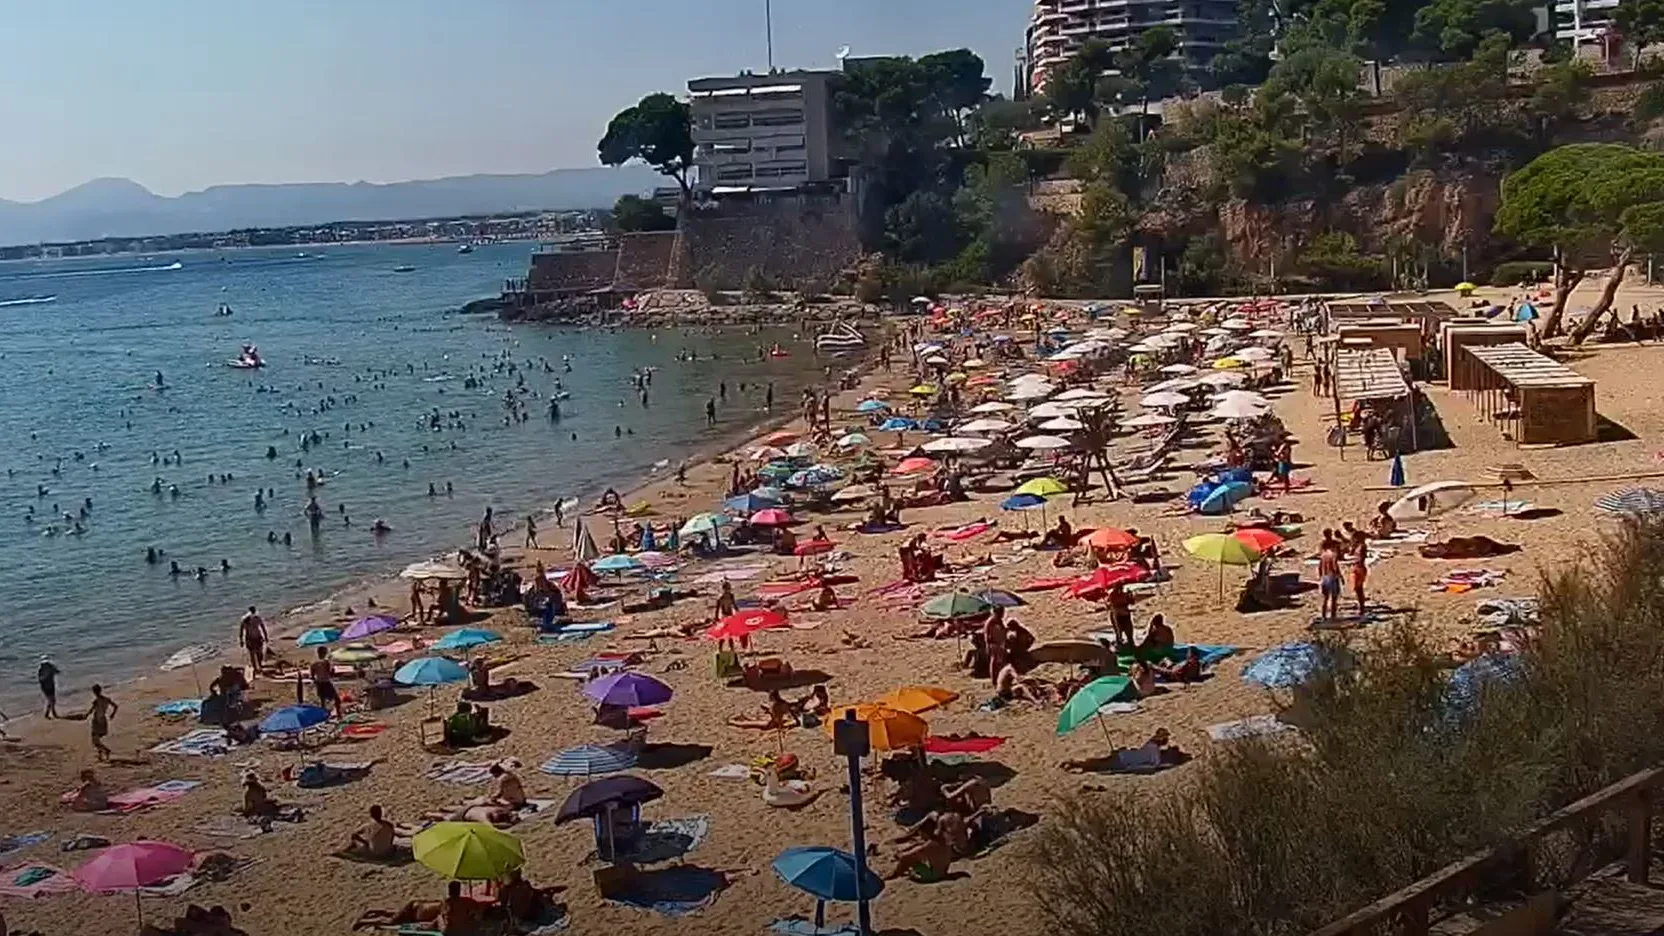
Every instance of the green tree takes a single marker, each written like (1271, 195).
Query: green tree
(1561, 93)
(1593, 204)
(1072, 91)
(955, 85)
(1455, 28)
(1641, 22)
(633, 213)
(1324, 83)
(657, 131)
(1148, 66)
(924, 229)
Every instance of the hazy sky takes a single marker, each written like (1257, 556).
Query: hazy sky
(183, 94)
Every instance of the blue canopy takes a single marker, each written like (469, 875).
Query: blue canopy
(871, 406)
(1525, 313)
(1022, 502)
(749, 504)
(466, 637)
(292, 718)
(897, 424)
(430, 671)
(317, 636)
(1288, 665)
(826, 874)
(1223, 497)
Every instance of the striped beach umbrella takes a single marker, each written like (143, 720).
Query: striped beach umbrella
(1633, 502)
(589, 760)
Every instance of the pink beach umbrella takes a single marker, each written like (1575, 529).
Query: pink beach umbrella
(132, 866)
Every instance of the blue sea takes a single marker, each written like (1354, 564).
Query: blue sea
(374, 362)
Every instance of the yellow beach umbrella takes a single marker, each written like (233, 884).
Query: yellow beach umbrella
(1043, 487)
(1228, 363)
(889, 729)
(923, 389)
(1465, 288)
(1223, 550)
(917, 699)
(955, 377)
(467, 851)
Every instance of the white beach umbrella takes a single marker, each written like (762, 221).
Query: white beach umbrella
(1081, 393)
(1163, 400)
(956, 444)
(974, 363)
(1053, 410)
(925, 347)
(1140, 348)
(1090, 346)
(1031, 391)
(853, 440)
(1182, 327)
(1431, 500)
(1266, 334)
(1180, 384)
(1178, 370)
(935, 359)
(1148, 420)
(854, 492)
(977, 426)
(1237, 409)
(1067, 355)
(766, 453)
(800, 450)
(993, 406)
(1254, 353)
(1062, 424)
(1237, 324)
(1222, 380)
(1163, 340)
(1242, 396)
(432, 569)
(1043, 443)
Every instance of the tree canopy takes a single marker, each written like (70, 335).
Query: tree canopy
(632, 213)
(658, 131)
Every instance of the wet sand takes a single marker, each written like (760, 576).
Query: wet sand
(294, 889)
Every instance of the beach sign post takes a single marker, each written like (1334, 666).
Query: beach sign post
(851, 739)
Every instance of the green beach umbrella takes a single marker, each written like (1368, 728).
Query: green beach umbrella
(954, 606)
(1090, 700)
(704, 523)
(1043, 487)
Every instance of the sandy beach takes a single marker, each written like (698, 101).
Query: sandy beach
(293, 885)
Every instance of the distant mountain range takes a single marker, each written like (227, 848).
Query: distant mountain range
(124, 208)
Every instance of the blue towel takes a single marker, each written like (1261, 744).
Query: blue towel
(180, 707)
(13, 843)
(674, 892)
(798, 926)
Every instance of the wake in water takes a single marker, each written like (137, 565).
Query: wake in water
(60, 274)
(31, 300)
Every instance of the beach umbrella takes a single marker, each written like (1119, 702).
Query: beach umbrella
(1062, 424)
(1224, 497)
(922, 390)
(432, 569)
(1431, 500)
(746, 623)
(1288, 665)
(993, 406)
(827, 874)
(1395, 476)
(954, 606)
(704, 523)
(1031, 391)
(1265, 334)
(133, 865)
(1181, 327)
(430, 671)
(973, 363)
(1525, 313)
(627, 690)
(355, 653)
(1022, 502)
(766, 453)
(914, 465)
(1111, 538)
(467, 851)
(1000, 598)
(1043, 443)
(1175, 385)
(1089, 701)
(597, 797)
(769, 492)
(583, 544)
(813, 547)
(936, 359)
(1095, 586)
(1237, 409)
(1635, 502)
(853, 440)
(1237, 324)
(1228, 363)
(1082, 393)
(317, 636)
(369, 626)
(190, 657)
(1178, 370)
(1254, 353)
(897, 424)
(1163, 400)
(917, 699)
(871, 406)
(1053, 410)
(749, 503)
(618, 563)
(986, 425)
(1260, 538)
(888, 729)
(1077, 651)
(956, 445)
(1223, 380)
(800, 450)
(772, 516)
(293, 718)
(1043, 487)
(589, 760)
(1465, 288)
(780, 437)
(465, 637)
(855, 492)
(1222, 550)
(1147, 421)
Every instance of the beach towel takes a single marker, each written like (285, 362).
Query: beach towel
(735, 574)
(961, 534)
(1046, 584)
(1252, 727)
(397, 647)
(784, 589)
(201, 742)
(35, 879)
(731, 772)
(951, 745)
(667, 840)
(672, 892)
(180, 707)
(460, 772)
(799, 926)
(146, 797)
(12, 844)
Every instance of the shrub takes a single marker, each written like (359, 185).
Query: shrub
(1516, 272)
(1387, 780)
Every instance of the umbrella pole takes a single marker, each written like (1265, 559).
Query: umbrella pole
(1100, 717)
(820, 914)
(138, 903)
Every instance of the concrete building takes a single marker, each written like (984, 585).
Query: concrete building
(1581, 21)
(1058, 28)
(758, 132)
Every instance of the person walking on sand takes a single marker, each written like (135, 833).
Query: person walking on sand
(1360, 573)
(1328, 575)
(47, 675)
(103, 709)
(323, 682)
(531, 532)
(416, 600)
(251, 634)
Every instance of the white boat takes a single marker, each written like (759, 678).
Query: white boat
(840, 337)
(404, 269)
(247, 359)
(465, 249)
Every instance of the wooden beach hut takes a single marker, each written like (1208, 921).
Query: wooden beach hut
(1536, 400)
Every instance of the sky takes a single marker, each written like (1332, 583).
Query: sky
(179, 95)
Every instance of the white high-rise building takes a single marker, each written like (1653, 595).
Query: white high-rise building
(1582, 21)
(1058, 28)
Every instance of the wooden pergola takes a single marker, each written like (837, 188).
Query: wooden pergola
(1376, 378)
(1536, 399)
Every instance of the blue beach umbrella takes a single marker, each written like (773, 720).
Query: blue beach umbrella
(872, 406)
(292, 718)
(466, 637)
(1224, 497)
(589, 760)
(1288, 665)
(1396, 476)
(1001, 598)
(430, 671)
(317, 637)
(749, 504)
(618, 563)
(897, 424)
(1022, 502)
(770, 492)
(826, 874)
(1525, 313)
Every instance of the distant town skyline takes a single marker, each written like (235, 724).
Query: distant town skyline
(182, 95)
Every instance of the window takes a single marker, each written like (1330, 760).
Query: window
(785, 169)
(735, 172)
(731, 121)
(777, 118)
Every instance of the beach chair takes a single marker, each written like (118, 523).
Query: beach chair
(431, 731)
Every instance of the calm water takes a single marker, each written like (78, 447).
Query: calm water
(349, 342)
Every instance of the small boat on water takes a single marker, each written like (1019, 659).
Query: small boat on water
(840, 337)
(247, 359)
(465, 249)
(223, 311)
(404, 268)
(778, 351)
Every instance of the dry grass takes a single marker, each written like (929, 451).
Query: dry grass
(1384, 783)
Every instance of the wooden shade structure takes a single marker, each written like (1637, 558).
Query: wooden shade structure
(1535, 399)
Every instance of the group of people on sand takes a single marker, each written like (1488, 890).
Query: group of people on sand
(942, 823)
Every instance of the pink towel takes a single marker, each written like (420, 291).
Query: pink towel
(961, 745)
(963, 533)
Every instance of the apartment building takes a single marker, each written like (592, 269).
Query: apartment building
(758, 132)
(1058, 28)
(1580, 21)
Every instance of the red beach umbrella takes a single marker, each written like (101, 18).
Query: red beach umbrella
(783, 437)
(915, 465)
(772, 516)
(1104, 578)
(746, 623)
(813, 547)
(1261, 539)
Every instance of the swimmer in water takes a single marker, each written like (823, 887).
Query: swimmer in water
(174, 570)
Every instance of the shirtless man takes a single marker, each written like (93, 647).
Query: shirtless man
(375, 839)
(103, 709)
(251, 634)
(510, 791)
(323, 682)
(463, 915)
(1328, 575)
